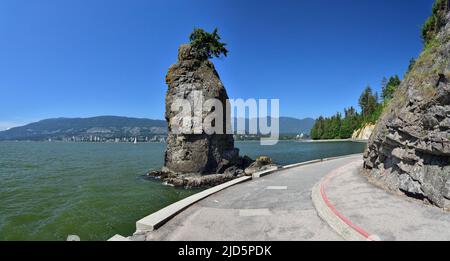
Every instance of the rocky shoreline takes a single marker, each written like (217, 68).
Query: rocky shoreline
(247, 167)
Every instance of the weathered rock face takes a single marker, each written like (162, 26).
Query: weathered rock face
(196, 153)
(409, 150)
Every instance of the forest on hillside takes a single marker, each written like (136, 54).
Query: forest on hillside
(342, 126)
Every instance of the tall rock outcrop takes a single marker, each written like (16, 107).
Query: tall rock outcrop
(196, 153)
(409, 150)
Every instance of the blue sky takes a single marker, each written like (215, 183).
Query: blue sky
(79, 58)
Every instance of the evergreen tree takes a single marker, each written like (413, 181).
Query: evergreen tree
(368, 102)
(208, 45)
(391, 87)
(336, 127)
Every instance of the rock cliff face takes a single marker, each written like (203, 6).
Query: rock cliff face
(196, 153)
(409, 150)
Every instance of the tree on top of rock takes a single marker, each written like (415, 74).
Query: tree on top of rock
(206, 44)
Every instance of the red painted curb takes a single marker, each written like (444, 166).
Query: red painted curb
(335, 211)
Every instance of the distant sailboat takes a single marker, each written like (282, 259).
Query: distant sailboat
(135, 140)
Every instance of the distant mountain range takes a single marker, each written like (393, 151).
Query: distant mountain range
(105, 128)
(296, 126)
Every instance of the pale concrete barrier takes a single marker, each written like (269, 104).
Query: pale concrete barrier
(265, 172)
(157, 219)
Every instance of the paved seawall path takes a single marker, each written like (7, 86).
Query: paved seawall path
(274, 207)
(324, 200)
(376, 214)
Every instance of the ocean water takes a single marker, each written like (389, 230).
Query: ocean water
(49, 190)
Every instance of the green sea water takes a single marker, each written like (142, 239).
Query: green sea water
(49, 190)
